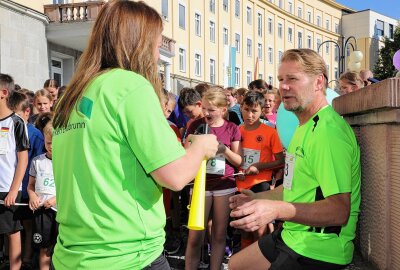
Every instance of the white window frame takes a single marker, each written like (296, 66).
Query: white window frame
(309, 16)
(57, 70)
(225, 5)
(327, 24)
(280, 30)
(182, 14)
(300, 12)
(309, 42)
(290, 7)
(237, 76)
(197, 64)
(259, 24)
(212, 71)
(237, 42)
(318, 20)
(212, 6)
(197, 24)
(164, 9)
(225, 35)
(280, 54)
(270, 26)
(249, 47)
(237, 8)
(270, 79)
(300, 40)
(270, 55)
(327, 48)
(212, 31)
(249, 77)
(290, 34)
(249, 15)
(260, 50)
(182, 59)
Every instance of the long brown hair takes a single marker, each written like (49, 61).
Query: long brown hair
(123, 36)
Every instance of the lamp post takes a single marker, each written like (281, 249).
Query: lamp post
(355, 56)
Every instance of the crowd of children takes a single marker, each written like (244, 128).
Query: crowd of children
(28, 202)
(249, 157)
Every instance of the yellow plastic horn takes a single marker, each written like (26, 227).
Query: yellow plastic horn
(196, 208)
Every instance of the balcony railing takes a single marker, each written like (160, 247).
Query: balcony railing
(88, 11)
(75, 12)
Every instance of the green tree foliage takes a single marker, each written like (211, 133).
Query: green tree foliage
(384, 66)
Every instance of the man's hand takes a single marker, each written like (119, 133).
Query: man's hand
(10, 198)
(245, 196)
(252, 214)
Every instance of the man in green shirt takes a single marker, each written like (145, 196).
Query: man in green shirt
(320, 197)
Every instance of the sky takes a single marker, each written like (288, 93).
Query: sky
(390, 8)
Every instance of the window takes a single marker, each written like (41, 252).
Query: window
(182, 16)
(237, 42)
(212, 6)
(237, 8)
(270, 55)
(309, 43)
(336, 73)
(248, 12)
(318, 43)
(259, 24)
(197, 24)
(182, 60)
(336, 28)
(164, 9)
(309, 16)
(336, 52)
(390, 31)
(280, 3)
(270, 25)
(225, 36)
(270, 80)
(299, 39)
(328, 70)
(299, 12)
(259, 51)
(319, 20)
(290, 34)
(327, 48)
(197, 64)
(225, 5)
(260, 76)
(327, 24)
(237, 76)
(57, 73)
(249, 47)
(248, 76)
(348, 51)
(212, 31)
(280, 54)
(290, 7)
(279, 30)
(212, 71)
(379, 28)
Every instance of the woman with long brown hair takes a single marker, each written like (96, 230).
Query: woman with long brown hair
(113, 148)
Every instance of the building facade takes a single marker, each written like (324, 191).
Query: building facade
(221, 42)
(369, 28)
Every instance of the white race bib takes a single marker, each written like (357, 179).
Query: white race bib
(250, 156)
(288, 171)
(3, 142)
(45, 184)
(216, 165)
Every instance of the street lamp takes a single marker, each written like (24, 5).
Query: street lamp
(355, 56)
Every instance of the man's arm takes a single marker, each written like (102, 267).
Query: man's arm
(331, 211)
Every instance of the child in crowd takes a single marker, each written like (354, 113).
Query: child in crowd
(269, 107)
(51, 86)
(220, 182)
(234, 114)
(42, 200)
(191, 104)
(262, 152)
(259, 85)
(240, 93)
(20, 104)
(349, 82)
(43, 101)
(14, 145)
